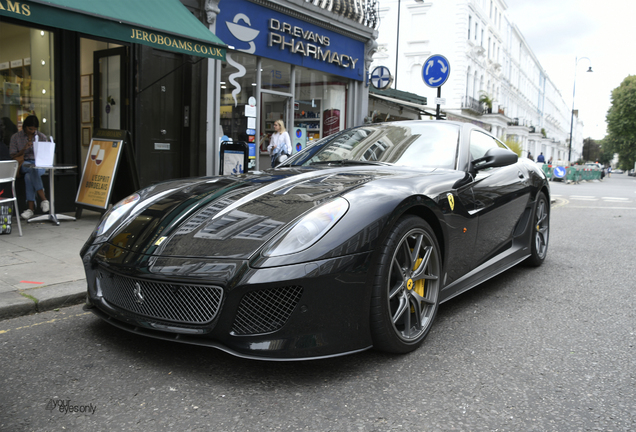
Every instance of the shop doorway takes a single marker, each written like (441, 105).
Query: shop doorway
(274, 107)
(110, 104)
(163, 111)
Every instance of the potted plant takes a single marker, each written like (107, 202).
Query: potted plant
(486, 100)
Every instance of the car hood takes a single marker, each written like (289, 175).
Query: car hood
(233, 217)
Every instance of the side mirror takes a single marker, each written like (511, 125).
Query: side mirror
(495, 157)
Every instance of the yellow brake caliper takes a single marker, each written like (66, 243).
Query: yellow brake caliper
(418, 286)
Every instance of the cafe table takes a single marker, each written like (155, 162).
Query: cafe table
(52, 216)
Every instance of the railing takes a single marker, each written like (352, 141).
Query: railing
(366, 12)
(470, 103)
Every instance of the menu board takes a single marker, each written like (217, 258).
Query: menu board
(99, 172)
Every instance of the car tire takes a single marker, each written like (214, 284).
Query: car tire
(540, 231)
(407, 283)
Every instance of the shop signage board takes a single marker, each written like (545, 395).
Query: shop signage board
(98, 175)
(262, 31)
(110, 171)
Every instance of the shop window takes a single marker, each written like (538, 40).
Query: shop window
(26, 78)
(276, 76)
(320, 101)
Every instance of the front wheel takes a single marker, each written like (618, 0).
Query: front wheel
(406, 287)
(540, 231)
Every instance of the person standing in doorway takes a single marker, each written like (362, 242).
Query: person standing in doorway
(22, 145)
(279, 144)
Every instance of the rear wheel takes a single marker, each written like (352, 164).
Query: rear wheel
(406, 287)
(540, 231)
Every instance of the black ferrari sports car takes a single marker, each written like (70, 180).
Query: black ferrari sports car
(350, 244)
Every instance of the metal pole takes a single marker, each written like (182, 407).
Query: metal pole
(439, 95)
(397, 47)
(576, 61)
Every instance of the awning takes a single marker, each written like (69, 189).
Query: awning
(162, 24)
(401, 102)
(399, 97)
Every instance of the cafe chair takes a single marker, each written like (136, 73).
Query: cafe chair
(8, 172)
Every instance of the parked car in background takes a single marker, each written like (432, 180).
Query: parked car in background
(594, 165)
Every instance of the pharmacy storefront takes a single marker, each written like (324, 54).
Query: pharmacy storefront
(296, 66)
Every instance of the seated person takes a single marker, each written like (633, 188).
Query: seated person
(22, 144)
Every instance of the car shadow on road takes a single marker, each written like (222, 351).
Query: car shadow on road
(205, 364)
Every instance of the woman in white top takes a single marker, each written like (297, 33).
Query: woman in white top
(279, 142)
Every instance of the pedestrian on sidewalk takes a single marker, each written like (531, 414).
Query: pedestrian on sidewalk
(22, 145)
(279, 146)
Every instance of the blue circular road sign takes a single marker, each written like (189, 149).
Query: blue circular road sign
(381, 78)
(435, 71)
(559, 172)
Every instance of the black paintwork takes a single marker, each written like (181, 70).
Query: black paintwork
(215, 230)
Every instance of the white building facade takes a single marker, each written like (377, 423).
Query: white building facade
(488, 56)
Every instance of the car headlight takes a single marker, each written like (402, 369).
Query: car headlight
(128, 207)
(116, 213)
(309, 229)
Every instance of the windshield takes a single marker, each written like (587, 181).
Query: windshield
(414, 144)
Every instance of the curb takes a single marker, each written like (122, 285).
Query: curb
(34, 300)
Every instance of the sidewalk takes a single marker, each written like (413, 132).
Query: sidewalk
(42, 270)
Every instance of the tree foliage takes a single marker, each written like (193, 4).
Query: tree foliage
(514, 145)
(621, 123)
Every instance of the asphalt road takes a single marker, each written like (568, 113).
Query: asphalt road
(547, 349)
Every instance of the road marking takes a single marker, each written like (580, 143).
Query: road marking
(603, 208)
(583, 198)
(615, 199)
(44, 322)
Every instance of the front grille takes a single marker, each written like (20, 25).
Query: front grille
(176, 303)
(266, 311)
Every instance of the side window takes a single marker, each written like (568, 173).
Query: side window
(480, 143)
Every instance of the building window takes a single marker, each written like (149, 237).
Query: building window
(319, 103)
(470, 19)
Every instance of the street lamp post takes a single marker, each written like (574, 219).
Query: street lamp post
(576, 62)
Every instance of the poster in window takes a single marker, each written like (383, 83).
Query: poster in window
(86, 111)
(331, 122)
(86, 136)
(11, 93)
(85, 85)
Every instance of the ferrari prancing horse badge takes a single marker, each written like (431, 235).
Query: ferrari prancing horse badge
(451, 201)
